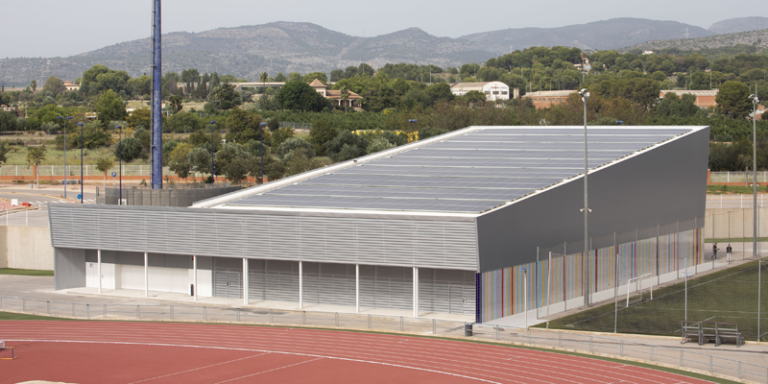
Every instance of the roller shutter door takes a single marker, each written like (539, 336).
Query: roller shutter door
(326, 283)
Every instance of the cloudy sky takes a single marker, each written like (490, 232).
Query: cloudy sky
(46, 28)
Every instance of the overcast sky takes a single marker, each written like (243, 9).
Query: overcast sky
(46, 28)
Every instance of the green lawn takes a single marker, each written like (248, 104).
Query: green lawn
(729, 296)
(24, 316)
(717, 189)
(24, 272)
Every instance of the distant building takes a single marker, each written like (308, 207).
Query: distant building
(647, 52)
(352, 99)
(493, 90)
(546, 99)
(70, 86)
(704, 99)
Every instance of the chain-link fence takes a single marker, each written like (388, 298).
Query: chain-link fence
(170, 197)
(589, 344)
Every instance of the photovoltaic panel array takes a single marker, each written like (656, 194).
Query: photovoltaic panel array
(470, 173)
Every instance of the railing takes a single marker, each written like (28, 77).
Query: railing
(577, 342)
(88, 170)
(737, 177)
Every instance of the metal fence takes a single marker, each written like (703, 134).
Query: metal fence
(735, 201)
(295, 125)
(74, 170)
(582, 343)
(171, 197)
(737, 177)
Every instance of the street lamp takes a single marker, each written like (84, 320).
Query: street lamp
(81, 162)
(261, 138)
(412, 121)
(120, 167)
(755, 100)
(584, 97)
(213, 180)
(65, 151)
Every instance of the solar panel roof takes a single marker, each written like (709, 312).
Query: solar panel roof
(467, 173)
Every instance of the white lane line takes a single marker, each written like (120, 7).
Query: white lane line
(197, 369)
(268, 371)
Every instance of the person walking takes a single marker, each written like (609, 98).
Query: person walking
(728, 251)
(714, 252)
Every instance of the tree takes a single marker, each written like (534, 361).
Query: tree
(299, 96)
(3, 151)
(263, 77)
(110, 107)
(176, 103)
(8, 121)
(178, 160)
(140, 118)
(292, 144)
(54, 85)
(321, 133)
(379, 144)
(475, 97)
(732, 99)
(104, 164)
(346, 146)
(280, 77)
(35, 156)
(200, 160)
(244, 126)
(184, 122)
(234, 162)
(131, 149)
(33, 85)
(299, 162)
(281, 135)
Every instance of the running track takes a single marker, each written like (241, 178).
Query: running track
(116, 352)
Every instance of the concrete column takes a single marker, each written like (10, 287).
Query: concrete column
(99, 262)
(357, 288)
(415, 292)
(245, 281)
(194, 275)
(146, 274)
(301, 285)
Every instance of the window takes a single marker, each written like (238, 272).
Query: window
(487, 92)
(504, 92)
(495, 92)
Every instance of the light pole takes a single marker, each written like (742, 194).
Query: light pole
(755, 100)
(120, 166)
(65, 151)
(412, 121)
(525, 295)
(82, 133)
(584, 97)
(213, 180)
(261, 139)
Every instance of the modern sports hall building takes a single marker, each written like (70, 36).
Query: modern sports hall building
(442, 225)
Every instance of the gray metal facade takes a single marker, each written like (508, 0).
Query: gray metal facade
(69, 268)
(394, 241)
(661, 186)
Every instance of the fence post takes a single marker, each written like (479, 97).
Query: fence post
(237, 310)
(304, 317)
(710, 363)
(87, 311)
(48, 307)
(337, 319)
(23, 305)
(621, 347)
(171, 312)
(434, 327)
(369, 322)
(739, 369)
(401, 323)
(270, 316)
(205, 314)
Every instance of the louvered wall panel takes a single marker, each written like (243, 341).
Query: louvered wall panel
(227, 277)
(68, 268)
(257, 285)
(386, 287)
(226, 233)
(446, 291)
(282, 280)
(326, 283)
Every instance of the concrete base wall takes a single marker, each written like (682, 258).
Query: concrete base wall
(26, 248)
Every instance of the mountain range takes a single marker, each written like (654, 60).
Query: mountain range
(304, 47)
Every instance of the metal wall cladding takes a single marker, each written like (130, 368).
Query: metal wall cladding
(228, 233)
(447, 291)
(386, 287)
(227, 278)
(273, 280)
(68, 268)
(329, 283)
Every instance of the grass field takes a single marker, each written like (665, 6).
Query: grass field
(24, 272)
(729, 296)
(733, 190)
(24, 316)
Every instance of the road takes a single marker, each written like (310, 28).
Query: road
(39, 198)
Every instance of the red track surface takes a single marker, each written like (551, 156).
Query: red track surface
(99, 352)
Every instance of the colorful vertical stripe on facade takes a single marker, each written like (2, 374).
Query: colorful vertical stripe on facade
(501, 292)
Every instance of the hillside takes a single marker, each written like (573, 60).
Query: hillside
(598, 35)
(758, 39)
(739, 24)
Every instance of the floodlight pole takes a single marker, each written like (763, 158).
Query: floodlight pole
(261, 139)
(82, 133)
(754, 173)
(584, 96)
(120, 166)
(213, 122)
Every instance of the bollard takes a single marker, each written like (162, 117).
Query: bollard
(205, 314)
(401, 324)
(23, 305)
(237, 310)
(48, 307)
(337, 319)
(369, 322)
(434, 327)
(467, 329)
(304, 317)
(138, 312)
(270, 316)
(87, 311)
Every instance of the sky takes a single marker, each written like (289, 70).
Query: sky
(50, 28)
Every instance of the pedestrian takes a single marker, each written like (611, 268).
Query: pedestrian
(729, 250)
(714, 252)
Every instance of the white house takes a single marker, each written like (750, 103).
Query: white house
(494, 90)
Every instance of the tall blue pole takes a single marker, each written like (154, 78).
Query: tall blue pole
(157, 117)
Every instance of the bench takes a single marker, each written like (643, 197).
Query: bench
(711, 331)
